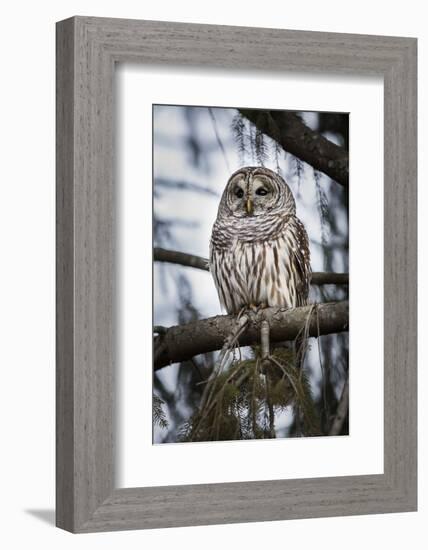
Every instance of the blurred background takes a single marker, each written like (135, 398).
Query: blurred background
(195, 150)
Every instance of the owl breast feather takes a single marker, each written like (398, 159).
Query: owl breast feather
(263, 268)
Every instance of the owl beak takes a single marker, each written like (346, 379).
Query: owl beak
(249, 205)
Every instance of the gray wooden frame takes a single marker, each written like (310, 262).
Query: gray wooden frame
(87, 50)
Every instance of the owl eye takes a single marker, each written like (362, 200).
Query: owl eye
(239, 192)
(261, 191)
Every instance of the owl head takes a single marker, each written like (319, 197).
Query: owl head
(256, 191)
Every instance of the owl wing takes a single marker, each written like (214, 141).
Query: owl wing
(221, 271)
(299, 257)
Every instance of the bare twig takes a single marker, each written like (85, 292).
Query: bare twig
(342, 411)
(329, 278)
(217, 135)
(264, 339)
(265, 352)
(184, 186)
(181, 258)
(226, 350)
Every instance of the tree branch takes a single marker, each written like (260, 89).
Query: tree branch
(181, 258)
(189, 260)
(329, 278)
(182, 342)
(292, 134)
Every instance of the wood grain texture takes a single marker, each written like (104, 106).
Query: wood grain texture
(87, 49)
(64, 278)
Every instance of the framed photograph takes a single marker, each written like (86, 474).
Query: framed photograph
(269, 243)
(236, 274)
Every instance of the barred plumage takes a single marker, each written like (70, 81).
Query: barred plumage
(259, 250)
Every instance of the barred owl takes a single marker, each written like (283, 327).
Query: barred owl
(259, 250)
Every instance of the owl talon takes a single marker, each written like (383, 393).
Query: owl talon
(241, 312)
(257, 308)
(252, 309)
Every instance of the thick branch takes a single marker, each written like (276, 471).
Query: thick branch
(182, 342)
(189, 260)
(292, 134)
